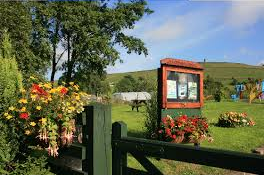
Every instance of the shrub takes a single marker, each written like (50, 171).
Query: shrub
(11, 77)
(151, 116)
(32, 166)
(234, 119)
(184, 129)
(9, 147)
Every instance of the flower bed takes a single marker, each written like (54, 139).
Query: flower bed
(184, 129)
(234, 119)
(47, 112)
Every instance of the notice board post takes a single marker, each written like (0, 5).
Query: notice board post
(180, 87)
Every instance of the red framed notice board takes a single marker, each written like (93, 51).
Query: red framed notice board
(182, 84)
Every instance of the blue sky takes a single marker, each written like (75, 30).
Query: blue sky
(223, 31)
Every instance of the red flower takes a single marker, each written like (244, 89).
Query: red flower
(172, 124)
(24, 115)
(180, 133)
(38, 90)
(194, 121)
(174, 137)
(183, 118)
(168, 131)
(188, 129)
(205, 125)
(64, 90)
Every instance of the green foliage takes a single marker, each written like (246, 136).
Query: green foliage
(127, 84)
(130, 84)
(234, 81)
(87, 31)
(11, 78)
(8, 145)
(212, 87)
(32, 166)
(151, 117)
(16, 19)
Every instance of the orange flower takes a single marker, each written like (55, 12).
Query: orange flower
(64, 90)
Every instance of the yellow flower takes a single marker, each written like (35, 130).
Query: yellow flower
(31, 77)
(78, 97)
(43, 121)
(6, 114)
(71, 83)
(39, 108)
(23, 109)
(76, 87)
(11, 108)
(47, 85)
(9, 117)
(68, 103)
(22, 100)
(32, 123)
(71, 108)
(27, 132)
(22, 90)
(33, 96)
(49, 99)
(52, 91)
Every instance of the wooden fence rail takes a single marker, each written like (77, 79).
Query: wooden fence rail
(140, 148)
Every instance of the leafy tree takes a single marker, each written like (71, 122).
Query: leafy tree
(126, 84)
(145, 84)
(93, 84)
(89, 30)
(11, 78)
(213, 88)
(16, 19)
(234, 81)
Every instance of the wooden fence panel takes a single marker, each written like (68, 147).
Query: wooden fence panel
(232, 160)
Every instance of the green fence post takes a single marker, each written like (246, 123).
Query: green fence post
(98, 144)
(119, 158)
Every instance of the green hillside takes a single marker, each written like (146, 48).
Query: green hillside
(221, 71)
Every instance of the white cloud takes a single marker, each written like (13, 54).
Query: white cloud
(169, 30)
(243, 14)
(261, 62)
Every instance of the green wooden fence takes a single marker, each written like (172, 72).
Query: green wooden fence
(94, 153)
(105, 147)
(141, 148)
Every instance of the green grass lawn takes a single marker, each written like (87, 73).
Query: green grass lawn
(242, 139)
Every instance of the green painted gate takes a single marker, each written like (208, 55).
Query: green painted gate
(105, 147)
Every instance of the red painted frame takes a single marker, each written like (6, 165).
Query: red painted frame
(165, 103)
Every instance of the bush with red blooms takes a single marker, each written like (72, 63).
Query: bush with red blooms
(184, 129)
(47, 112)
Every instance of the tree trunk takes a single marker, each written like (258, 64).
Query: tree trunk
(69, 62)
(54, 45)
(53, 71)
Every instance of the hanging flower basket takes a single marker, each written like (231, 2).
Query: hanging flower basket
(49, 112)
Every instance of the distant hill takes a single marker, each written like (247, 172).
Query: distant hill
(221, 71)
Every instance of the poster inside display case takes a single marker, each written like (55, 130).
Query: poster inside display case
(182, 87)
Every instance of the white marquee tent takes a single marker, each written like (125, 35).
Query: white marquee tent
(129, 96)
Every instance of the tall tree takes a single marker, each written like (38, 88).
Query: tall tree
(16, 19)
(89, 31)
